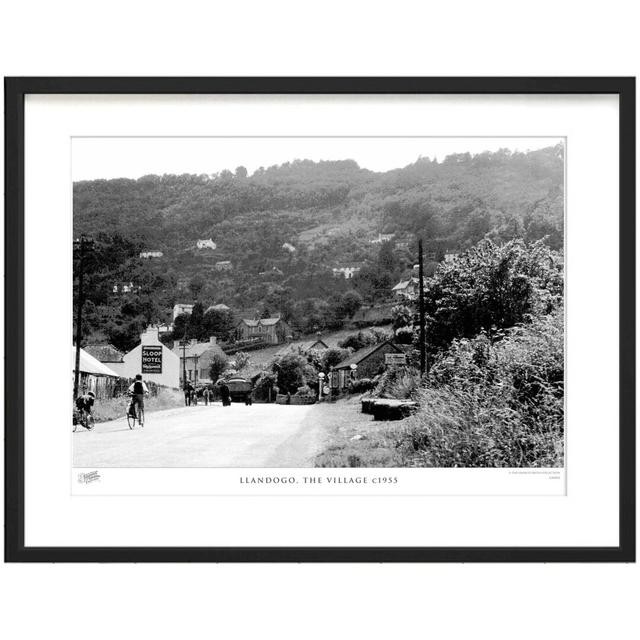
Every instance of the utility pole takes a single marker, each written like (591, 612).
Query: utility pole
(423, 355)
(83, 245)
(184, 360)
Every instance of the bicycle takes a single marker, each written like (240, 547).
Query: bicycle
(135, 414)
(84, 418)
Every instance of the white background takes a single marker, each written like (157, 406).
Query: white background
(586, 516)
(372, 38)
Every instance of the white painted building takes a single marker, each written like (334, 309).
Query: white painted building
(450, 256)
(383, 237)
(152, 359)
(181, 308)
(151, 254)
(206, 244)
(345, 272)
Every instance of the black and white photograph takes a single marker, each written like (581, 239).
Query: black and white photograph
(318, 302)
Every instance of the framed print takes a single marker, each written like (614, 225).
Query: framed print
(320, 319)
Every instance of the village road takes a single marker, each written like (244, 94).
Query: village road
(261, 435)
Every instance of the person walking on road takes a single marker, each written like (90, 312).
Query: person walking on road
(187, 394)
(206, 394)
(225, 394)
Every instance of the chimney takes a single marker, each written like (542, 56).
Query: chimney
(212, 340)
(150, 336)
(193, 341)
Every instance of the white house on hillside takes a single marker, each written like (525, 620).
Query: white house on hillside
(181, 308)
(206, 244)
(345, 272)
(383, 237)
(151, 254)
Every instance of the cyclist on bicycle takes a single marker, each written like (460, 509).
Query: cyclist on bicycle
(138, 390)
(84, 403)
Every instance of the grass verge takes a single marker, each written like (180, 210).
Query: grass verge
(114, 408)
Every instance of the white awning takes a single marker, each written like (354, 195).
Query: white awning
(89, 364)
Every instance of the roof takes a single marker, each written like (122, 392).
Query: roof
(403, 284)
(218, 307)
(363, 354)
(89, 364)
(104, 352)
(262, 321)
(311, 344)
(268, 321)
(196, 350)
(303, 347)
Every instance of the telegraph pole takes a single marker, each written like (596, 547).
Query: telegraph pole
(83, 245)
(184, 360)
(423, 355)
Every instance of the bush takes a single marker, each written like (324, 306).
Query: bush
(265, 388)
(364, 339)
(492, 286)
(404, 335)
(494, 401)
(291, 371)
(332, 357)
(402, 316)
(305, 391)
(400, 383)
(362, 385)
(241, 360)
(217, 367)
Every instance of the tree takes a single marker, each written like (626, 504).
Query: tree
(350, 302)
(218, 323)
(332, 357)
(196, 285)
(241, 172)
(492, 287)
(402, 316)
(290, 370)
(242, 360)
(196, 322)
(180, 326)
(217, 367)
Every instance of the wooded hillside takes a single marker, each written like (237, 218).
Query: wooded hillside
(284, 229)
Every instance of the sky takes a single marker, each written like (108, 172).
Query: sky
(115, 157)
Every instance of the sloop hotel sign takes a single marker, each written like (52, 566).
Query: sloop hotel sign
(152, 359)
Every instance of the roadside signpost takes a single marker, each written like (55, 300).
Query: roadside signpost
(395, 359)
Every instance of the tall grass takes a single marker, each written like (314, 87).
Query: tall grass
(114, 408)
(493, 402)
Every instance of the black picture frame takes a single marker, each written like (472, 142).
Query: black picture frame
(15, 91)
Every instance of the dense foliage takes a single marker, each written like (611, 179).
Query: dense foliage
(285, 227)
(492, 287)
(495, 401)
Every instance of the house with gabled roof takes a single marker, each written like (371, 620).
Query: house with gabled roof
(364, 363)
(271, 330)
(196, 358)
(206, 244)
(303, 347)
